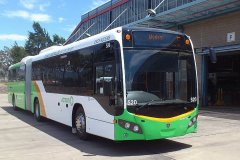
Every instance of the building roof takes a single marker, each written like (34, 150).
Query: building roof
(177, 15)
(188, 13)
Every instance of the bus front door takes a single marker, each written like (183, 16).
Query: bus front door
(104, 83)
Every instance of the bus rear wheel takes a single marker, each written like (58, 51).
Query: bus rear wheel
(80, 123)
(14, 103)
(37, 114)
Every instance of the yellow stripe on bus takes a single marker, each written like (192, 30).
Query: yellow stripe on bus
(166, 120)
(42, 107)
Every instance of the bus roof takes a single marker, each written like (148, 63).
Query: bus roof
(90, 41)
(152, 30)
(16, 65)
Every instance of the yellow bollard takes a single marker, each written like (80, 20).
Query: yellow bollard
(220, 99)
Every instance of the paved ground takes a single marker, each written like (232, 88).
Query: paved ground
(21, 138)
(3, 87)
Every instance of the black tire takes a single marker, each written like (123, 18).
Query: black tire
(14, 103)
(37, 114)
(80, 123)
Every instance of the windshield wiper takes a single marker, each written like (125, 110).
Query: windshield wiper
(146, 104)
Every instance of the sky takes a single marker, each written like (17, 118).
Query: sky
(56, 16)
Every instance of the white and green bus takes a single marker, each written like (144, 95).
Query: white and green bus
(122, 84)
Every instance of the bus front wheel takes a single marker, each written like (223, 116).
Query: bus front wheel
(80, 123)
(37, 114)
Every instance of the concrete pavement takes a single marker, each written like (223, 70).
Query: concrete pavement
(21, 137)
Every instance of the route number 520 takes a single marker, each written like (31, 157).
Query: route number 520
(132, 102)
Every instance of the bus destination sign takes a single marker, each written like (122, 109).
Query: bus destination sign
(159, 40)
(154, 37)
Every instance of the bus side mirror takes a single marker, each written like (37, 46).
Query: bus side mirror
(212, 55)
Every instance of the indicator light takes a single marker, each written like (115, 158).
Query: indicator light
(128, 37)
(178, 38)
(187, 42)
(114, 121)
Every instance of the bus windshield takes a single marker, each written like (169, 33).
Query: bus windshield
(159, 77)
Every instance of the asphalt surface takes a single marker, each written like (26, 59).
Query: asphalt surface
(22, 138)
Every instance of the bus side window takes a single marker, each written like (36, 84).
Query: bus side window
(14, 74)
(9, 75)
(99, 78)
(104, 63)
(105, 76)
(21, 73)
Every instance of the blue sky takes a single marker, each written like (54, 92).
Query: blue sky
(56, 16)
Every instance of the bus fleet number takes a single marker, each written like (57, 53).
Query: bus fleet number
(132, 102)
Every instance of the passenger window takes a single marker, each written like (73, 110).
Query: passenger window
(105, 75)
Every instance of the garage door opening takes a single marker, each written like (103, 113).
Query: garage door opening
(223, 80)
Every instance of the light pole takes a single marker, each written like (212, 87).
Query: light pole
(152, 12)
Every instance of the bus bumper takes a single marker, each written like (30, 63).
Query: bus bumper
(154, 129)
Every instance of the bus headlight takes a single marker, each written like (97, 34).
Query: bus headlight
(192, 121)
(190, 124)
(127, 125)
(136, 128)
(130, 126)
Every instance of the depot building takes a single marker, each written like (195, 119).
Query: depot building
(213, 25)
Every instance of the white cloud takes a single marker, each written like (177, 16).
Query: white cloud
(97, 3)
(40, 17)
(60, 19)
(12, 37)
(29, 4)
(19, 13)
(29, 16)
(34, 4)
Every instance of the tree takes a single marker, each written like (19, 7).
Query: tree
(5, 61)
(17, 53)
(58, 40)
(37, 40)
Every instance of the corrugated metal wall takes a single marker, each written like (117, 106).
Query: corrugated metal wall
(103, 15)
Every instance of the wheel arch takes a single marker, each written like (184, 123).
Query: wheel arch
(34, 100)
(75, 107)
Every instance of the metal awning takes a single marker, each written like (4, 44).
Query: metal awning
(188, 13)
(218, 50)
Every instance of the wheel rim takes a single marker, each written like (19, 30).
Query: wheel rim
(80, 123)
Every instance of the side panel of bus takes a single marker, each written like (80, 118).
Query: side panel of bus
(16, 86)
(84, 77)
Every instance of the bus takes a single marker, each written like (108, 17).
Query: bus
(122, 84)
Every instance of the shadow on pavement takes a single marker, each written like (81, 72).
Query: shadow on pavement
(96, 145)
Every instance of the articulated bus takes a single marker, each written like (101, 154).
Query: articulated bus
(122, 84)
